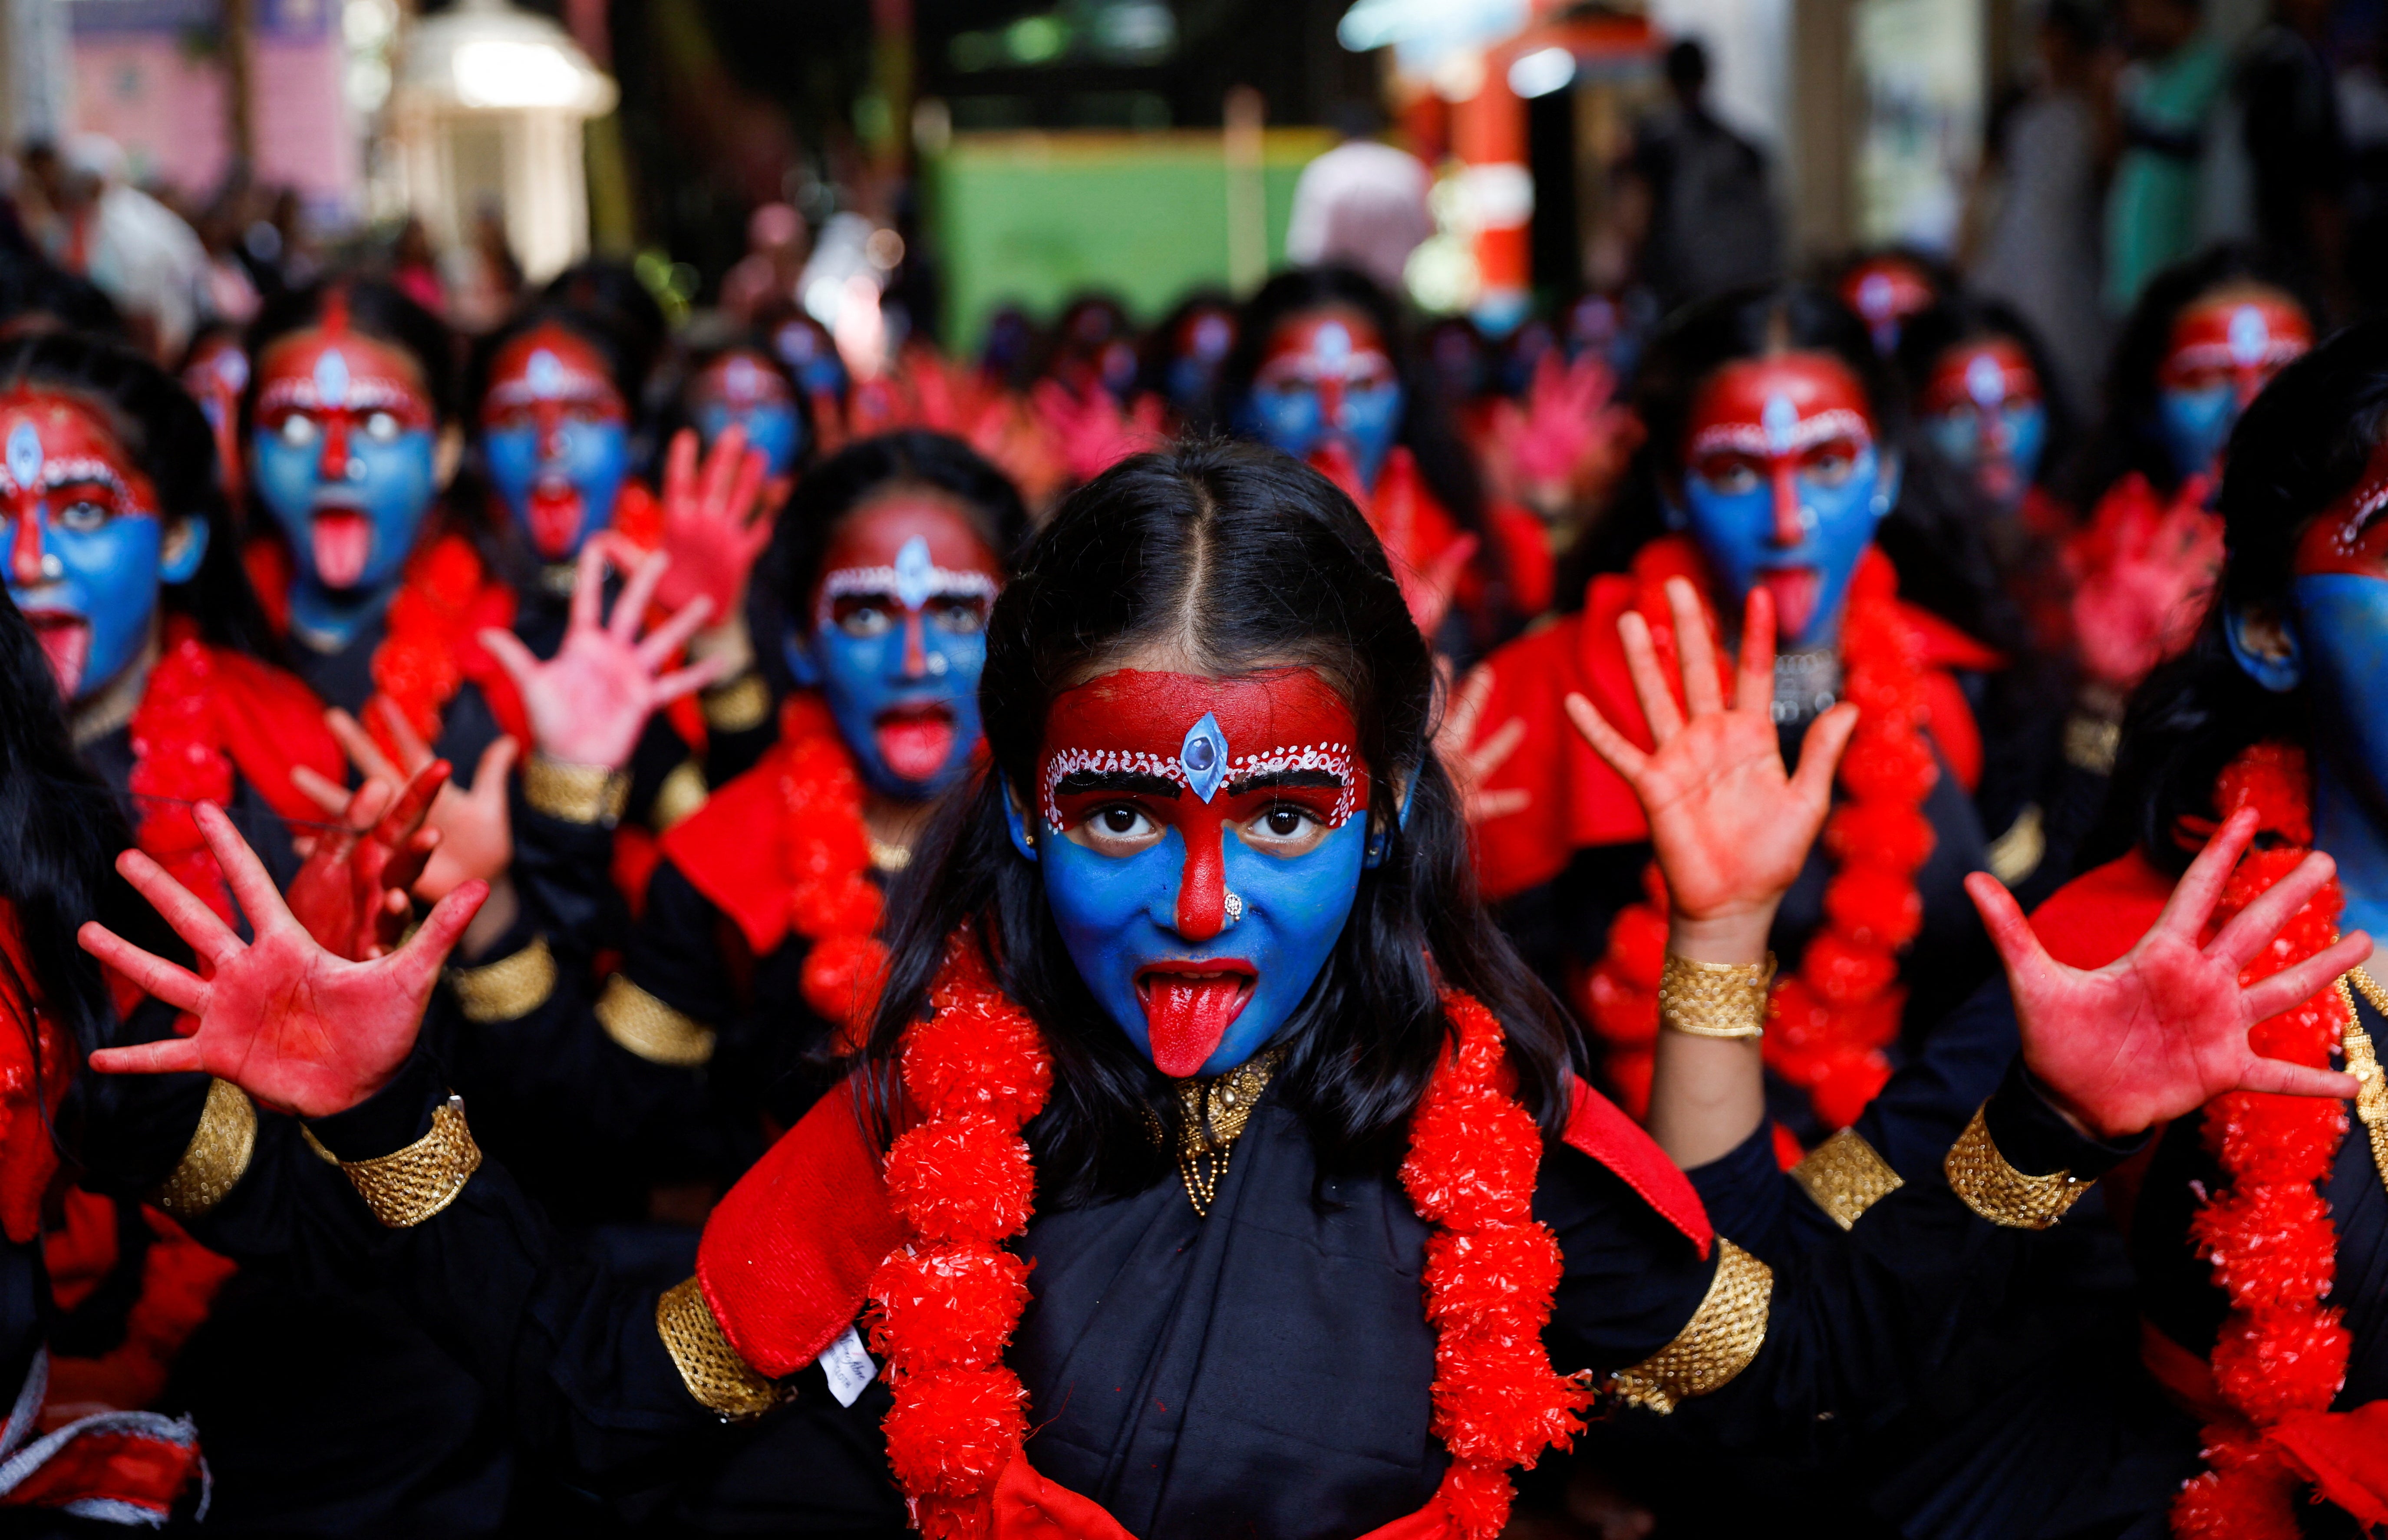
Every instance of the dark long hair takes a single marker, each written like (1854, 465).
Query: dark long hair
(60, 826)
(1243, 558)
(2129, 436)
(1427, 431)
(163, 430)
(2301, 445)
(786, 571)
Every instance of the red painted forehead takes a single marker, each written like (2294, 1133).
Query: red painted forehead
(740, 379)
(580, 372)
(332, 366)
(1327, 335)
(2247, 330)
(2351, 535)
(1817, 392)
(1136, 722)
(1983, 373)
(875, 533)
(76, 439)
(1886, 290)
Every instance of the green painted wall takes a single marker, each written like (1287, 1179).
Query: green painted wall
(1034, 218)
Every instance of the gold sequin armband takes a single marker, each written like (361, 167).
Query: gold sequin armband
(1723, 1336)
(1845, 1176)
(739, 704)
(683, 792)
(1980, 1175)
(406, 1187)
(216, 1157)
(2363, 1063)
(721, 1381)
(646, 1026)
(1715, 1000)
(575, 794)
(508, 989)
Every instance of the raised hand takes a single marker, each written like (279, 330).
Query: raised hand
(1470, 764)
(589, 702)
(351, 894)
(716, 521)
(298, 1029)
(2163, 1029)
(1731, 827)
(475, 827)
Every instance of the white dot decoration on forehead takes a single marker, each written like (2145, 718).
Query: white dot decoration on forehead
(332, 378)
(1204, 754)
(2250, 338)
(1779, 420)
(544, 373)
(1334, 342)
(914, 580)
(740, 381)
(232, 367)
(1986, 381)
(24, 454)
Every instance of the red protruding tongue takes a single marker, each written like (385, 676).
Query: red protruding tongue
(916, 746)
(343, 541)
(1794, 590)
(1186, 1016)
(66, 642)
(554, 517)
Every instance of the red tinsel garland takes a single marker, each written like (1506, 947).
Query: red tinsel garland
(832, 900)
(977, 1070)
(432, 643)
(1832, 1016)
(178, 762)
(2268, 1233)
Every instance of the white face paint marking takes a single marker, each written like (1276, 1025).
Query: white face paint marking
(1779, 420)
(916, 575)
(544, 374)
(2250, 338)
(331, 379)
(25, 455)
(1985, 381)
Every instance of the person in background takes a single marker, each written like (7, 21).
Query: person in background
(140, 253)
(1889, 289)
(1185, 354)
(1362, 204)
(766, 276)
(2296, 150)
(2166, 99)
(1697, 204)
(2039, 252)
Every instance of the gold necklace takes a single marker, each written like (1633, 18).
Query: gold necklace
(2371, 1092)
(1211, 1117)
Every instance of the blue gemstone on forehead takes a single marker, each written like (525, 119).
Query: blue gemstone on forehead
(1779, 420)
(545, 373)
(2250, 338)
(1985, 381)
(1204, 757)
(25, 456)
(332, 378)
(916, 575)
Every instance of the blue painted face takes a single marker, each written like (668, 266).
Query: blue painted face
(810, 354)
(1201, 841)
(2224, 349)
(87, 549)
(734, 389)
(555, 440)
(898, 641)
(1984, 413)
(345, 452)
(1325, 377)
(1784, 486)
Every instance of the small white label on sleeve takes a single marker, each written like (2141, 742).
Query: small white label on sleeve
(847, 1364)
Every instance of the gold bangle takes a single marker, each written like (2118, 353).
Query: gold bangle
(681, 793)
(646, 1026)
(1979, 1174)
(739, 704)
(1715, 1000)
(1718, 1342)
(508, 989)
(721, 1381)
(575, 794)
(216, 1157)
(1845, 1176)
(408, 1186)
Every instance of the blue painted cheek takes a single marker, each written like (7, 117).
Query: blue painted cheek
(596, 461)
(285, 477)
(510, 456)
(1289, 420)
(2195, 425)
(1371, 421)
(2342, 630)
(2026, 440)
(823, 376)
(1958, 437)
(775, 431)
(1737, 532)
(111, 580)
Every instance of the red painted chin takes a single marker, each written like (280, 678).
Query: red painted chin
(1189, 1007)
(1794, 590)
(342, 544)
(554, 517)
(915, 743)
(66, 642)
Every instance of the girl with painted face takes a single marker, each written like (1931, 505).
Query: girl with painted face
(1194, 1020)
(2253, 1208)
(757, 928)
(1983, 397)
(553, 403)
(1770, 445)
(1319, 371)
(744, 382)
(215, 370)
(1186, 356)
